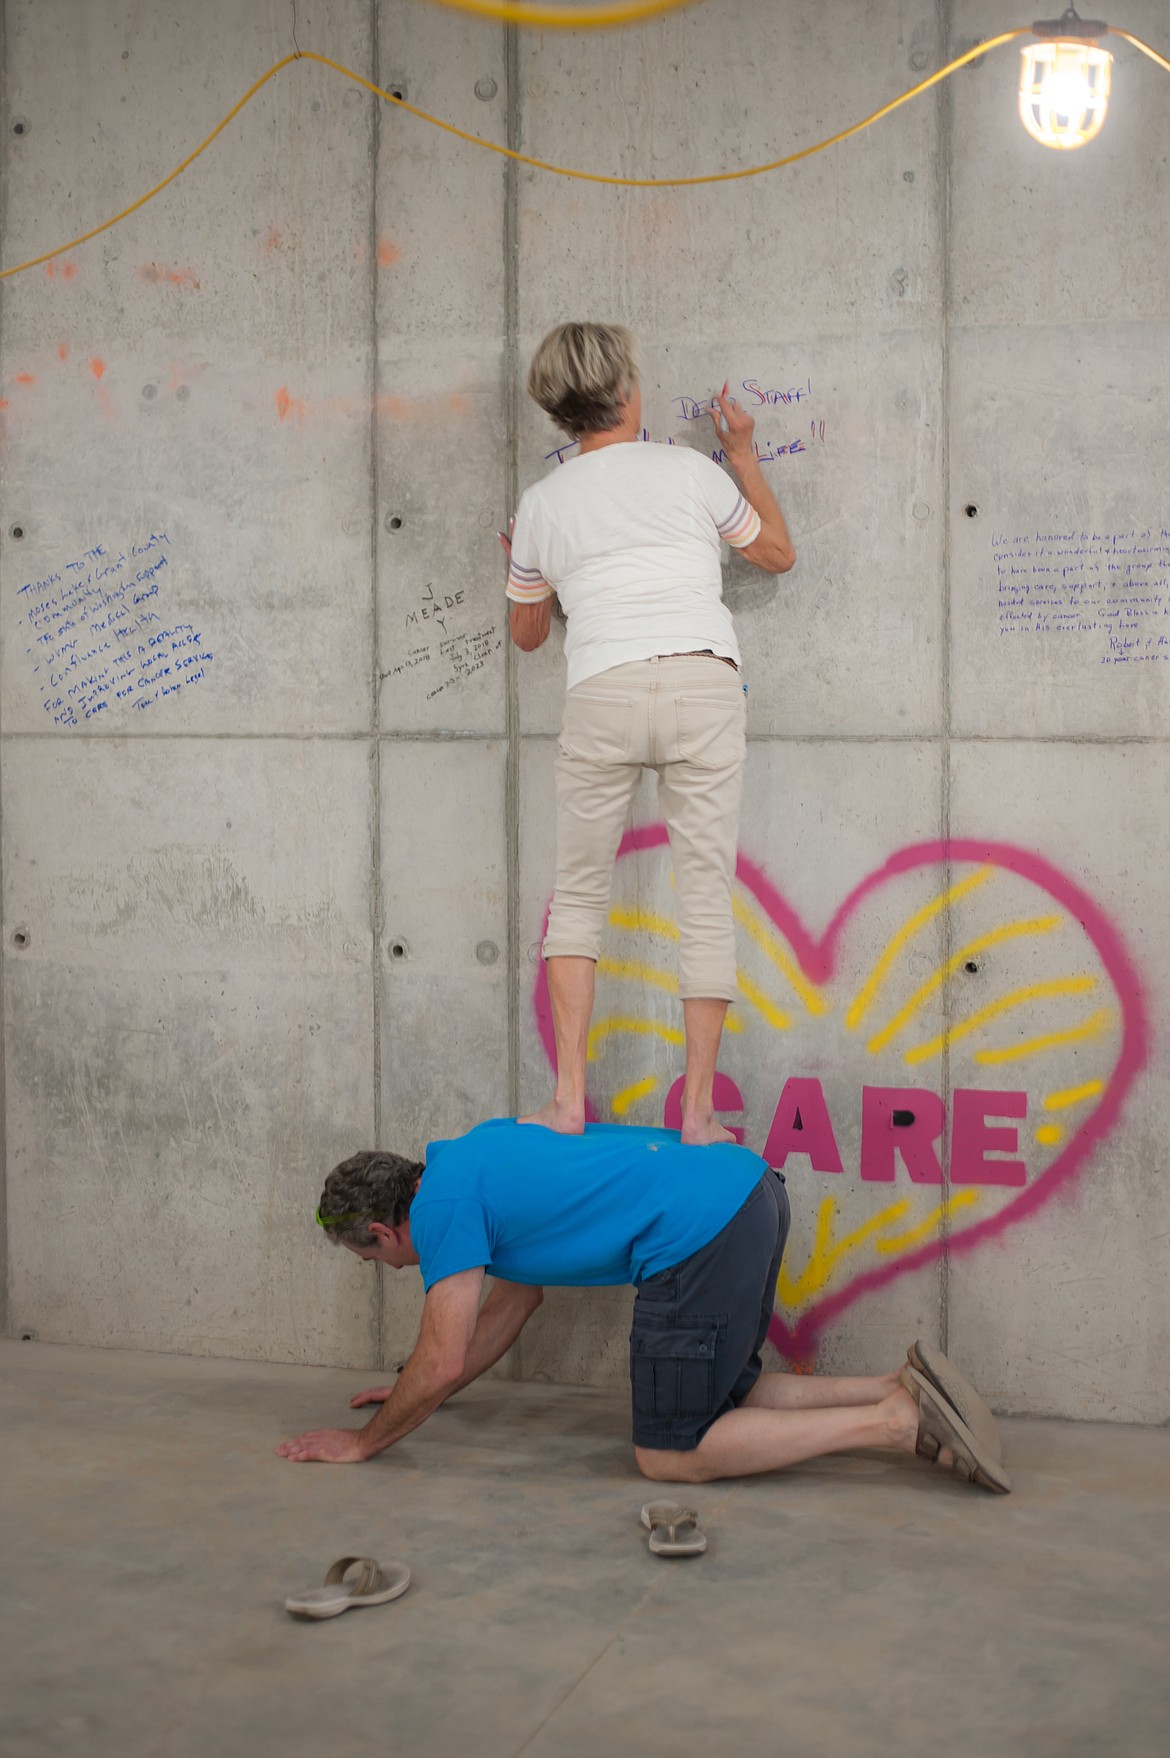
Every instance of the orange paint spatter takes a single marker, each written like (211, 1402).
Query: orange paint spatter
(3, 402)
(422, 408)
(25, 378)
(98, 367)
(62, 350)
(287, 405)
(388, 252)
(68, 271)
(157, 276)
(274, 239)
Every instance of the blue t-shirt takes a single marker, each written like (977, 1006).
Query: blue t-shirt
(614, 1205)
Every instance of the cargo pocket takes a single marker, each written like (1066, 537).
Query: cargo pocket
(672, 1366)
(711, 729)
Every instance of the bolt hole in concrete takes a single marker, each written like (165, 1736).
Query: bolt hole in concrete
(149, 392)
(903, 1119)
(20, 126)
(971, 967)
(487, 952)
(20, 939)
(485, 89)
(16, 531)
(971, 511)
(398, 949)
(394, 523)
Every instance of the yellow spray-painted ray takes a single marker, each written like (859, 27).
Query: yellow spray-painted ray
(1049, 1134)
(1009, 931)
(644, 921)
(644, 1028)
(867, 994)
(1093, 1027)
(1051, 991)
(1073, 1095)
(762, 1003)
(825, 1256)
(630, 970)
(774, 948)
(630, 1095)
(962, 1199)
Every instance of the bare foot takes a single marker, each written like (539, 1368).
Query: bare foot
(564, 1118)
(701, 1132)
(902, 1414)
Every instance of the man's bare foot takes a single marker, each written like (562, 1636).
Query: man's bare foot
(701, 1132)
(901, 1412)
(565, 1119)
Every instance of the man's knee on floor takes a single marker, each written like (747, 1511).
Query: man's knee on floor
(661, 1465)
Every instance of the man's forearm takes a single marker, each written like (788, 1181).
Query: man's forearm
(418, 1392)
(502, 1317)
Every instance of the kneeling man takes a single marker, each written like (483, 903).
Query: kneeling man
(699, 1232)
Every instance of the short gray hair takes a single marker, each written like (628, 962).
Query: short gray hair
(369, 1186)
(582, 373)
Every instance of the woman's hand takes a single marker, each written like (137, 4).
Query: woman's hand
(734, 427)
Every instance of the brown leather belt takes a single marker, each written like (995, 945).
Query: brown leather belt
(704, 653)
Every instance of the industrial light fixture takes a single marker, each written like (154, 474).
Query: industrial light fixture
(1064, 81)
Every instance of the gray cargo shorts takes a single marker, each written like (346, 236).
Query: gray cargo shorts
(699, 1328)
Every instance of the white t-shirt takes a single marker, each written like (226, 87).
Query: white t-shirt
(628, 538)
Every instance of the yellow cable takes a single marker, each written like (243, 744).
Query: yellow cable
(1144, 47)
(543, 164)
(572, 18)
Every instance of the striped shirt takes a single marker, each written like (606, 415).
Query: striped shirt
(628, 538)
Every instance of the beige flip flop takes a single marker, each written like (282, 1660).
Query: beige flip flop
(940, 1425)
(959, 1392)
(370, 1585)
(671, 1519)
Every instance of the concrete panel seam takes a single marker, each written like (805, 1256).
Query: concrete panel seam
(946, 141)
(511, 680)
(3, 1011)
(375, 678)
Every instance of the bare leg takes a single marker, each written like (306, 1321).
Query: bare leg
(802, 1391)
(755, 1438)
(703, 1019)
(570, 991)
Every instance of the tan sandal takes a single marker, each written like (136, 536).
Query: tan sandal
(669, 1518)
(940, 1425)
(958, 1392)
(371, 1585)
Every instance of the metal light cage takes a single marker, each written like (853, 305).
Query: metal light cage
(1064, 89)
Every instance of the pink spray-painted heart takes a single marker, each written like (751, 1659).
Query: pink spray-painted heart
(1116, 1038)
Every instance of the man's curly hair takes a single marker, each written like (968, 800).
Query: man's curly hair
(370, 1186)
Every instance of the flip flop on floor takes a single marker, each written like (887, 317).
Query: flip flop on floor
(959, 1392)
(940, 1425)
(669, 1518)
(370, 1585)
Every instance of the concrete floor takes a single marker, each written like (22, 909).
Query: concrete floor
(850, 1607)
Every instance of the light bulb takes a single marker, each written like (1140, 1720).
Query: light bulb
(1064, 91)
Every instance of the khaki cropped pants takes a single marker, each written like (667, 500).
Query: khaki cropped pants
(682, 716)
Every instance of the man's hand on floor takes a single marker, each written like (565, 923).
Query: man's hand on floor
(375, 1395)
(331, 1446)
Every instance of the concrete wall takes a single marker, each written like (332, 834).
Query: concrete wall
(271, 423)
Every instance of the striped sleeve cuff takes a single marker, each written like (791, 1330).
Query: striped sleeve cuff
(527, 585)
(742, 525)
